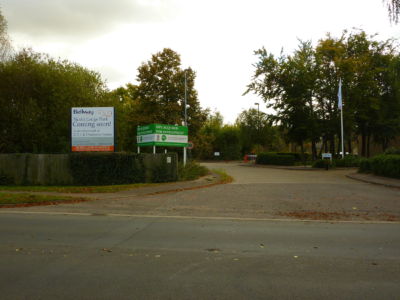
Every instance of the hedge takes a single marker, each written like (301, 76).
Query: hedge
(382, 165)
(348, 161)
(275, 159)
(92, 168)
(106, 168)
(297, 156)
(323, 164)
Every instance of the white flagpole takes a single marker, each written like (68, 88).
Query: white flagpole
(340, 105)
(184, 148)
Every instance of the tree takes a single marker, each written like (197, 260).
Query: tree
(256, 133)
(206, 139)
(37, 92)
(161, 91)
(5, 45)
(302, 88)
(393, 7)
(286, 84)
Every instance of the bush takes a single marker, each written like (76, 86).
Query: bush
(365, 165)
(297, 156)
(348, 161)
(392, 150)
(275, 159)
(323, 164)
(191, 171)
(386, 165)
(106, 168)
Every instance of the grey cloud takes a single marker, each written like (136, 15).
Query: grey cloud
(81, 18)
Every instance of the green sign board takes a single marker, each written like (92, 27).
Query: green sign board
(162, 135)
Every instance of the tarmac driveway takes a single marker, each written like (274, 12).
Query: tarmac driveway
(260, 193)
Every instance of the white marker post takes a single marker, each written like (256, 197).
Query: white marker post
(340, 106)
(184, 148)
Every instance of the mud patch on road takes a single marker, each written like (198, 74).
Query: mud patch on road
(340, 216)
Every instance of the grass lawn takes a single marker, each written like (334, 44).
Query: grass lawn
(76, 189)
(224, 177)
(8, 198)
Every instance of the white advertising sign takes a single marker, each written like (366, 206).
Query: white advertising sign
(92, 128)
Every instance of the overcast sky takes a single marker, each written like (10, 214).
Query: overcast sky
(216, 38)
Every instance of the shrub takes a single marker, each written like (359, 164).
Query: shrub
(297, 156)
(386, 165)
(364, 165)
(275, 159)
(323, 164)
(106, 168)
(392, 150)
(348, 161)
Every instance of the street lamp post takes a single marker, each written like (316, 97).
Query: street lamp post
(258, 121)
(184, 148)
(258, 114)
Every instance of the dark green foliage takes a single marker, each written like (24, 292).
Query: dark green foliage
(297, 156)
(393, 150)
(348, 161)
(228, 142)
(302, 88)
(323, 164)
(37, 92)
(383, 165)
(275, 159)
(191, 171)
(106, 168)
(365, 165)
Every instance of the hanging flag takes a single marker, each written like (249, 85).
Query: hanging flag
(340, 103)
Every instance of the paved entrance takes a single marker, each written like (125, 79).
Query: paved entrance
(260, 193)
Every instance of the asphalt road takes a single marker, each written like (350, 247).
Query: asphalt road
(47, 256)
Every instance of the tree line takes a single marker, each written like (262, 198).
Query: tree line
(302, 88)
(37, 92)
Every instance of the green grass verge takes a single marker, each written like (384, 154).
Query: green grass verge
(224, 177)
(191, 171)
(76, 189)
(8, 198)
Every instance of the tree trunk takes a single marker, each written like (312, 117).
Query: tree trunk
(314, 150)
(368, 142)
(350, 149)
(332, 148)
(385, 143)
(363, 144)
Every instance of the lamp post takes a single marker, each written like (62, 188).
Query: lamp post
(258, 114)
(184, 148)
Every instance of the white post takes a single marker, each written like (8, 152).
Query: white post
(154, 149)
(138, 150)
(340, 105)
(341, 119)
(184, 148)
